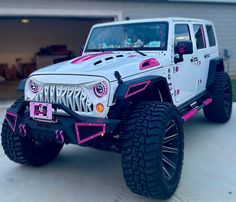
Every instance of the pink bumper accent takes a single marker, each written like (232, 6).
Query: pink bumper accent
(11, 124)
(60, 136)
(23, 131)
(189, 114)
(78, 125)
(149, 63)
(87, 57)
(128, 94)
(207, 101)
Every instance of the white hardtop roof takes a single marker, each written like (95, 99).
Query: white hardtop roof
(169, 19)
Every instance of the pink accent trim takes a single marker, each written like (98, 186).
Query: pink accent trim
(127, 94)
(207, 101)
(87, 57)
(14, 115)
(189, 114)
(176, 68)
(57, 134)
(21, 130)
(24, 129)
(105, 90)
(62, 136)
(152, 63)
(77, 125)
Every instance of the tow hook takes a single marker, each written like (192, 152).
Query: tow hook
(59, 135)
(23, 131)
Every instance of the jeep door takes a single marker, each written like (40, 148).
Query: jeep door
(185, 73)
(205, 49)
(201, 61)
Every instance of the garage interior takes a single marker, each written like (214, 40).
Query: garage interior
(29, 43)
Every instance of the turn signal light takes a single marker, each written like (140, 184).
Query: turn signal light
(99, 107)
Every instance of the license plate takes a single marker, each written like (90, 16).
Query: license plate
(41, 110)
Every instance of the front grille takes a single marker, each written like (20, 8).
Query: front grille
(74, 97)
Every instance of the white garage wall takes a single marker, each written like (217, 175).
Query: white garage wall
(223, 15)
(24, 40)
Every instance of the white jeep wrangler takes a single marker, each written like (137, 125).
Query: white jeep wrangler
(135, 85)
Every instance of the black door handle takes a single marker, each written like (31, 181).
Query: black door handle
(195, 59)
(206, 55)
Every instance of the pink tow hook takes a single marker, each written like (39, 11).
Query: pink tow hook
(60, 136)
(23, 131)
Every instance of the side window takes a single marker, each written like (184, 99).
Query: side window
(182, 33)
(211, 35)
(199, 36)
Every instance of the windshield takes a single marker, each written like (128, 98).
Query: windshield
(141, 36)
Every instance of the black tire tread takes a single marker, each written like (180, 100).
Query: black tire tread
(139, 145)
(14, 148)
(215, 111)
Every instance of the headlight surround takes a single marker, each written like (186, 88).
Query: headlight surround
(100, 89)
(33, 86)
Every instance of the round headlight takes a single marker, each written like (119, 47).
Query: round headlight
(33, 86)
(100, 89)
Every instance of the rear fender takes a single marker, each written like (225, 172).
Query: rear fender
(216, 65)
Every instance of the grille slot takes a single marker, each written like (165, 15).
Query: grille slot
(74, 97)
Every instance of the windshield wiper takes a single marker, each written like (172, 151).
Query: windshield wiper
(138, 51)
(117, 49)
(132, 49)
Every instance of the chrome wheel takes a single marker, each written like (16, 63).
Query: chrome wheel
(170, 150)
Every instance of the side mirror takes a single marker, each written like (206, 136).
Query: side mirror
(183, 48)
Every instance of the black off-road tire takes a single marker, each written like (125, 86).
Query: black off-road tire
(25, 150)
(221, 107)
(152, 130)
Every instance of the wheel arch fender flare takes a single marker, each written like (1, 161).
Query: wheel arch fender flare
(216, 65)
(133, 87)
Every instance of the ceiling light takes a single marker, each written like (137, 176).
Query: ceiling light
(24, 21)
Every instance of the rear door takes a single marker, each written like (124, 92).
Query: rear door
(202, 55)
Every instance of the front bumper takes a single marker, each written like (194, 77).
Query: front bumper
(68, 128)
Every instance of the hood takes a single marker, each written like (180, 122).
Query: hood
(105, 64)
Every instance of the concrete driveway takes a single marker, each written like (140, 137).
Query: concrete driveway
(88, 175)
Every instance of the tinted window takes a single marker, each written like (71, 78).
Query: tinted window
(199, 36)
(182, 33)
(211, 35)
